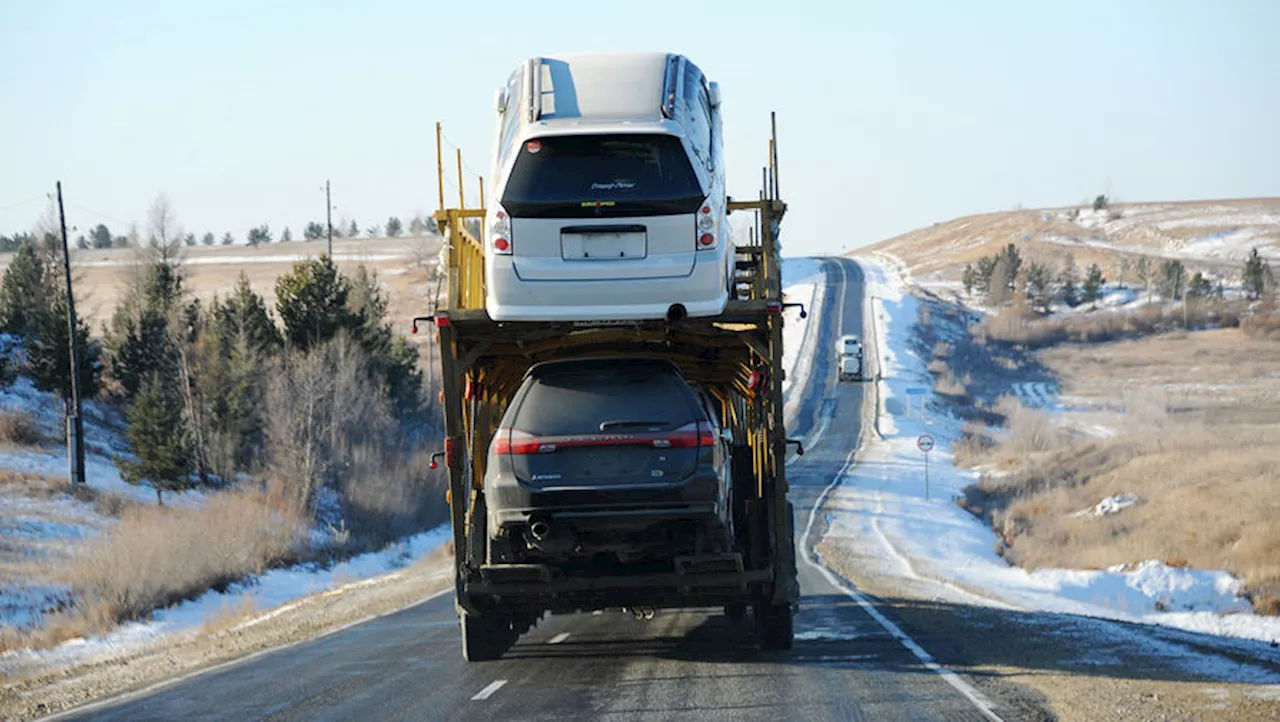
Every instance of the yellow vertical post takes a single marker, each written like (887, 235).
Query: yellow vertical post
(439, 166)
(462, 200)
(482, 208)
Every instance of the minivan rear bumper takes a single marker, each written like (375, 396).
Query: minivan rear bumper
(703, 292)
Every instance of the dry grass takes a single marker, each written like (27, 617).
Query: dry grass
(1029, 431)
(19, 427)
(1017, 325)
(1195, 434)
(159, 555)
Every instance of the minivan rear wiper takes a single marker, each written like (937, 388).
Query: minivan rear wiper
(606, 425)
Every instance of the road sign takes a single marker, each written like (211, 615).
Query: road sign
(925, 443)
(917, 391)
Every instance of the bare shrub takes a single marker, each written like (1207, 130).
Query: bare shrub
(156, 556)
(1030, 431)
(385, 496)
(942, 350)
(975, 442)
(322, 405)
(938, 366)
(19, 427)
(1264, 325)
(948, 385)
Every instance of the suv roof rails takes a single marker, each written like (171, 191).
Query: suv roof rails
(670, 84)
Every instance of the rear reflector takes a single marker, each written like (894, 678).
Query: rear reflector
(707, 239)
(502, 245)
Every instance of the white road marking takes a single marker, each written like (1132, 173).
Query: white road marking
(558, 638)
(597, 613)
(978, 699)
(487, 692)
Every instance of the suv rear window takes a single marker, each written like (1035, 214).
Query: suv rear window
(590, 176)
(578, 400)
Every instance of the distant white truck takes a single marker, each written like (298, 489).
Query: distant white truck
(849, 353)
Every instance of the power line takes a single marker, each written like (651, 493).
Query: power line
(23, 203)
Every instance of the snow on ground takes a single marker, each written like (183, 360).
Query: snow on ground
(270, 594)
(925, 535)
(803, 281)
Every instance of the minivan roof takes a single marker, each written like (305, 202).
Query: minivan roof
(614, 86)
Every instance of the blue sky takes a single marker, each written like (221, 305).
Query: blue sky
(892, 115)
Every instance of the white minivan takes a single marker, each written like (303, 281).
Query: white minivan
(607, 199)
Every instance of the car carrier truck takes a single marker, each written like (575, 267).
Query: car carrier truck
(734, 358)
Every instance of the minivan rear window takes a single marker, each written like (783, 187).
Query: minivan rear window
(592, 176)
(633, 399)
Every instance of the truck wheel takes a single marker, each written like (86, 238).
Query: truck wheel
(774, 626)
(485, 637)
(735, 612)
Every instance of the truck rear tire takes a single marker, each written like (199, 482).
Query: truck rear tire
(774, 626)
(485, 637)
(735, 612)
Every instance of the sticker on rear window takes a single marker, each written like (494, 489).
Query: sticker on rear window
(533, 146)
(613, 186)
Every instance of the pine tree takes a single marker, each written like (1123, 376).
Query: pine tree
(49, 357)
(1255, 271)
(1173, 279)
(1039, 287)
(394, 227)
(1069, 281)
(286, 235)
(1093, 282)
(25, 294)
(1199, 287)
(312, 303)
(208, 239)
(353, 230)
(969, 278)
(228, 239)
(158, 438)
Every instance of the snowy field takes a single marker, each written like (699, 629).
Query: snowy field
(883, 499)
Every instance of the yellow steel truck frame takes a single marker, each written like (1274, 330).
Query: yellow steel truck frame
(737, 356)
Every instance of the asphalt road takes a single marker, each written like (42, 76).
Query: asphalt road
(684, 664)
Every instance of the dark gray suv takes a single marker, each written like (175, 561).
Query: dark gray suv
(607, 462)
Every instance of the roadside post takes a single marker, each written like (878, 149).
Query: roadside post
(914, 392)
(925, 444)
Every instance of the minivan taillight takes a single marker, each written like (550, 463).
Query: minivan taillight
(500, 233)
(689, 436)
(514, 441)
(706, 229)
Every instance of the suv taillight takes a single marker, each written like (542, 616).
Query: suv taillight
(500, 233)
(707, 236)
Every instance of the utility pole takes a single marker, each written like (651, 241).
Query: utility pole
(75, 421)
(328, 216)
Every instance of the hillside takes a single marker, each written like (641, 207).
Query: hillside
(1212, 236)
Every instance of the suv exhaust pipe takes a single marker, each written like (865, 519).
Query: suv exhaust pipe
(540, 530)
(676, 313)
